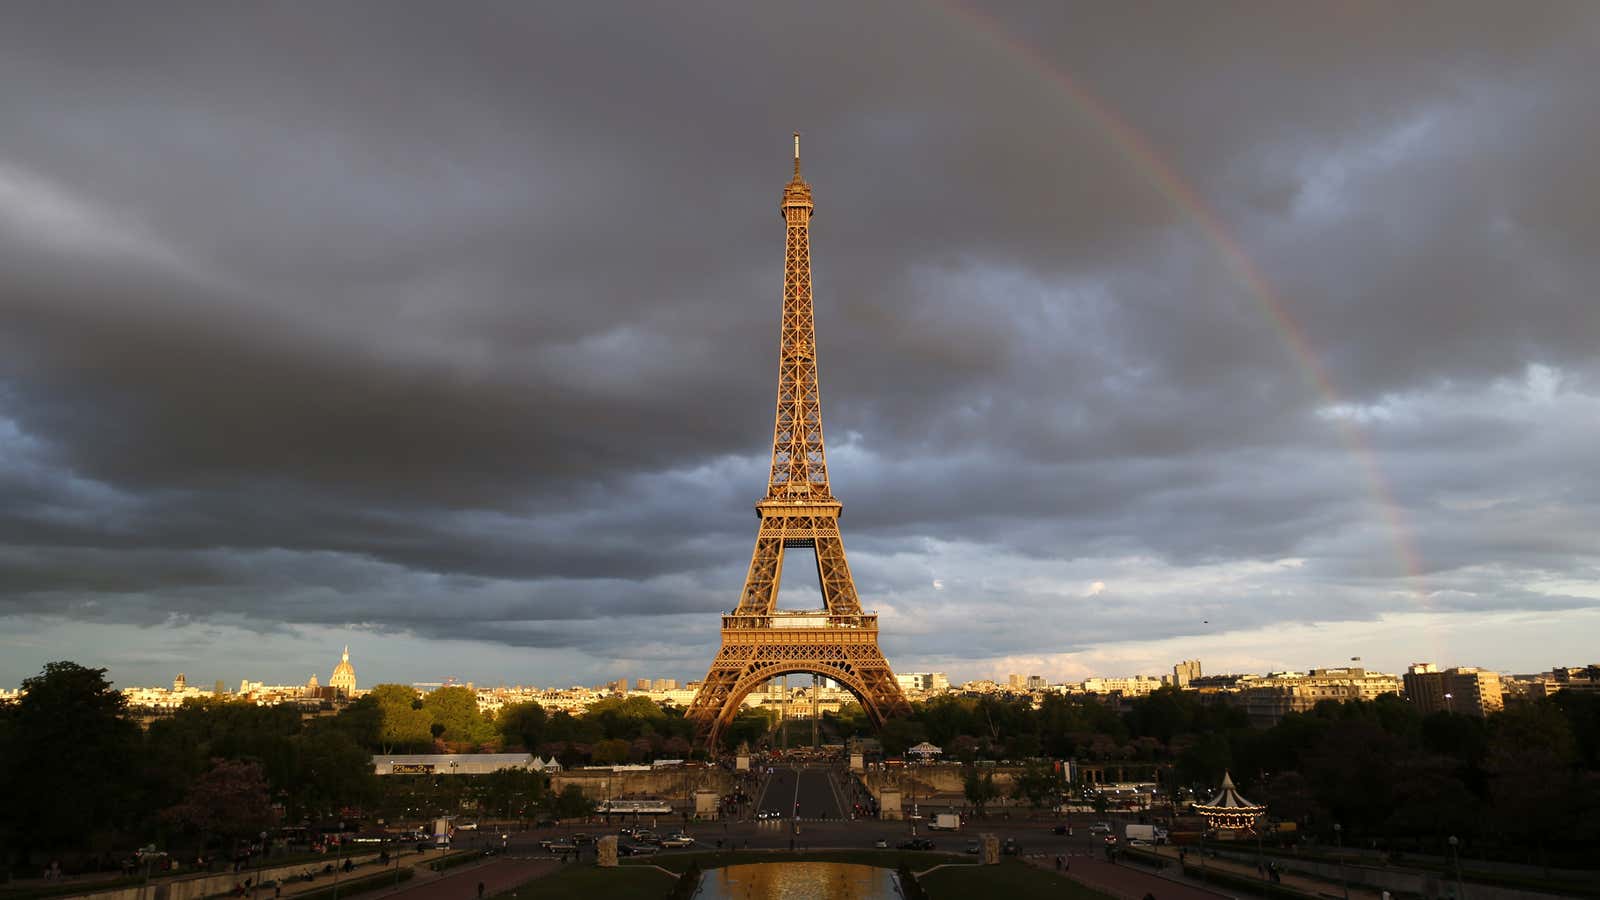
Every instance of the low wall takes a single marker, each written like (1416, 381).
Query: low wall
(941, 778)
(675, 784)
(1399, 881)
(195, 887)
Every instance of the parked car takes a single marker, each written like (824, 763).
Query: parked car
(560, 846)
(545, 823)
(1009, 848)
(1061, 829)
(1100, 828)
(881, 844)
(677, 840)
(917, 844)
(636, 849)
(974, 848)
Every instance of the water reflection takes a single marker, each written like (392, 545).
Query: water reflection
(798, 881)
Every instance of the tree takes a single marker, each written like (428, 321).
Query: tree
(522, 724)
(229, 801)
(404, 721)
(456, 708)
(570, 803)
(512, 791)
(1039, 784)
(979, 789)
(69, 755)
(610, 752)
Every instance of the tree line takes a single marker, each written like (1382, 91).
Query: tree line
(1522, 783)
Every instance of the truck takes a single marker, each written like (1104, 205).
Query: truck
(442, 830)
(1150, 834)
(945, 822)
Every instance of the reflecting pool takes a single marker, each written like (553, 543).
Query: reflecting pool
(798, 881)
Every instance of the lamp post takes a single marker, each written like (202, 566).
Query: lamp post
(261, 861)
(1455, 857)
(338, 861)
(1338, 835)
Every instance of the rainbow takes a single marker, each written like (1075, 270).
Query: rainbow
(1151, 166)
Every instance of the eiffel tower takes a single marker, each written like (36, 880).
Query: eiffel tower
(759, 641)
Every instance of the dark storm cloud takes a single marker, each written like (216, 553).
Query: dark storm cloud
(361, 313)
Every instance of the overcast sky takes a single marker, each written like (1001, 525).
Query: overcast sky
(1263, 333)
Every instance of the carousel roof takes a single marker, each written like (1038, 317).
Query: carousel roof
(1229, 799)
(925, 749)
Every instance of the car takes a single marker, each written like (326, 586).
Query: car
(974, 847)
(581, 838)
(545, 823)
(881, 844)
(1061, 829)
(636, 849)
(1100, 828)
(467, 826)
(562, 846)
(917, 844)
(1010, 848)
(677, 840)
(645, 836)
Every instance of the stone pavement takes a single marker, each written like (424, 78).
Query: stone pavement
(498, 875)
(1303, 883)
(1127, 882)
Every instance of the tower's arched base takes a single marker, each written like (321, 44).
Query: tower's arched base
(757, 649)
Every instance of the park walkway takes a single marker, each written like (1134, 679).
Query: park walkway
(1306, 884)
(1127, 882)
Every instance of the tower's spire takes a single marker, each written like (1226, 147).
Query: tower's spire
(797, 154)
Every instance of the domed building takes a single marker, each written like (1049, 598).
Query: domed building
(344, 675)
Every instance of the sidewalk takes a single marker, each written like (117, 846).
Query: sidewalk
(1304, 883)
(1127, 882)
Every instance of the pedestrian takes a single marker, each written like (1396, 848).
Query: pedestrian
(480, 890)
(1058, 862)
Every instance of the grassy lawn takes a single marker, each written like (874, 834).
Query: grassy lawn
(888, 859)
(592, 883)
(1011, 879)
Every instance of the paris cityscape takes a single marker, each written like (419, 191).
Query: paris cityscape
(384, 397)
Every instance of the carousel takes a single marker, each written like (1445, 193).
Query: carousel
(1228, 811)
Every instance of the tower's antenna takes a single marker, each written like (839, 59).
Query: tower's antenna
(797, 154)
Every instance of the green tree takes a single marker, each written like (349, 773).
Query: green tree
(456, 708)
(332, 771)
(404, 722)
(511, 792)
(610, 752)
(69, 755)
(523, 725)
(570, 803)
(979, 788)
(1039, 784)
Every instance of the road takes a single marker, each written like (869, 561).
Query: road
(805, 793)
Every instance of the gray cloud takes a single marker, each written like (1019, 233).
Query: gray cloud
(460, 324)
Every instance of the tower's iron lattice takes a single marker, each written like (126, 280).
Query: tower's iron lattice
(760, 642)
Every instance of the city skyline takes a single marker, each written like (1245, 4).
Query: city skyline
(1262, 345)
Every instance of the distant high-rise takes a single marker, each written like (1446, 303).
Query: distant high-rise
(1185, 672)
(179, 683)
(1464, 690)
(643, 684)
(1036, 683)
(1016, 682)
(665, 684)
(344, 675)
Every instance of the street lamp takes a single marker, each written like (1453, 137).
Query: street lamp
(1455, 856)
(261, 861)
(338, 861)
(1338, 835)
